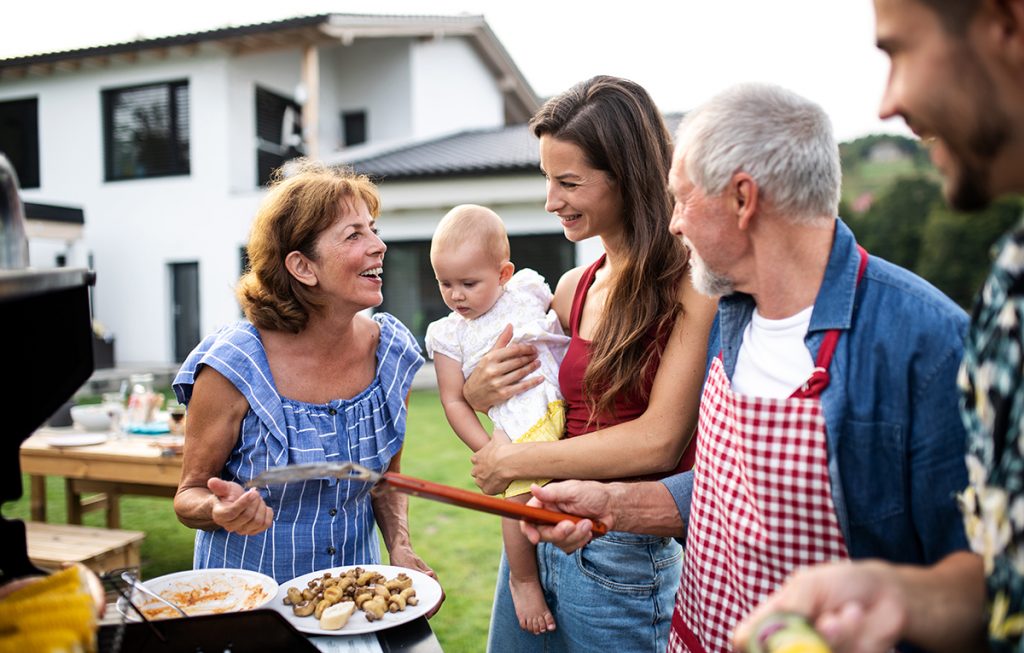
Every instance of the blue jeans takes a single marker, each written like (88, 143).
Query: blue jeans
(615, 594)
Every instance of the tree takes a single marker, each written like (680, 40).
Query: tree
(956, 248)
(893, 227)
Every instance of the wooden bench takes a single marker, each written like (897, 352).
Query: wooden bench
(100, 549)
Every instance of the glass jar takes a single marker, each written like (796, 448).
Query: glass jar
(140, 400)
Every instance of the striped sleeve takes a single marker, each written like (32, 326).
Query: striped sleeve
(237, 353)
(398, 359)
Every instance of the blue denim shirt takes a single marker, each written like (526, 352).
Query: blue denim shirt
(895, 439)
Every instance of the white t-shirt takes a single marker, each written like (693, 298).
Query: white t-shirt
(773, 360)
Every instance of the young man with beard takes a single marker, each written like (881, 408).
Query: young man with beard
(957, 79)
(828, 426)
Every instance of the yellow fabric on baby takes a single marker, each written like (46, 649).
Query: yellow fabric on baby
(549, 428)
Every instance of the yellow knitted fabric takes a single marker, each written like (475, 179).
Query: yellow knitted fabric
(549, 428)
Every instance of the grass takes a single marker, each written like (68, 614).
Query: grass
(875, 177)
(462, 546)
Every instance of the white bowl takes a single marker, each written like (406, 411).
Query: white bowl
(91, 417)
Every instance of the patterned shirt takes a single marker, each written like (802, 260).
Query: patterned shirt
(992, 385)
(320, 523)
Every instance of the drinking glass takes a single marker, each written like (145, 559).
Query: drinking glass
(113, 402)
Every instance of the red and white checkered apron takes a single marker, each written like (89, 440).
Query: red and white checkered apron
(762, 504)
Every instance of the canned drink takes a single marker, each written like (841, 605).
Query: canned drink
(786, 632)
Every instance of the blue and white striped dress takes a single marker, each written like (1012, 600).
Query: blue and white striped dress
(320, 523)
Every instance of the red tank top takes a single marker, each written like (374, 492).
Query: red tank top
(574, 366)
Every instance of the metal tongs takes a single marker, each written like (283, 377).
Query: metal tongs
(132, 580)
(394, 481)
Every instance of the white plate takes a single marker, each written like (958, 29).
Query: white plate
(76, 440)
(203, 591)
(428, 591)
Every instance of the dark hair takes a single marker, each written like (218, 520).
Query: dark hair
(620, 131)
(955, 15)
(305, 198)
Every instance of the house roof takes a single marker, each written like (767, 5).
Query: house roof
(477, 152)
(482, 151)
(291, 32)
(54, 213)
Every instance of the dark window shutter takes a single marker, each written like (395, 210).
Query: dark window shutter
(353, 126)
(147, 131)
(19, 139)
(278, 132)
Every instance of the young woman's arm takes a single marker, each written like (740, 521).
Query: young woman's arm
(651, 443)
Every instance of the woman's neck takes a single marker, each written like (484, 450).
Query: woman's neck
(321, 335)
(616, 254)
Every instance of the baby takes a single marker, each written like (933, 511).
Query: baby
(470, 256)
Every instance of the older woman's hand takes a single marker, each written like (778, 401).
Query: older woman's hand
(501, 373)
(238, 510)
(404, 556)
(488, 467)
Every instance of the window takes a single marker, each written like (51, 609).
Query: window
(353, 127)
(145, 131)
(278, 132)
(410, 289)
(19, 139)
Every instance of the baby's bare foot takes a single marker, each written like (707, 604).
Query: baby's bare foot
(531, 608)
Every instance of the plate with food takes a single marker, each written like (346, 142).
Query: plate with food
(356, 599)
(201, 591)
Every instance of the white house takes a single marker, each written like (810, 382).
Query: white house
(164, 144)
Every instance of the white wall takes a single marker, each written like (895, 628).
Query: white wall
(279, 71)
(452, 89)
(372, 75)
(134, 228)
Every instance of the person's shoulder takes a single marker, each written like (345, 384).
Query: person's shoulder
(571, 279)
(905, 293)
(239, 337)
(395, 337)
(529, 284)
(444, 336)
(235, 351)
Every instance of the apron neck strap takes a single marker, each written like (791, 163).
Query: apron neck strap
(819, 379)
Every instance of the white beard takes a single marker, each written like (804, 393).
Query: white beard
(705, 280)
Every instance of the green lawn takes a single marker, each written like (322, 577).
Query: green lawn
(462, 546)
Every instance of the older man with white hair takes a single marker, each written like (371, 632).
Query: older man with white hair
(828, 425)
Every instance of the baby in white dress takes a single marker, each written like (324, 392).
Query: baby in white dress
(470, 256)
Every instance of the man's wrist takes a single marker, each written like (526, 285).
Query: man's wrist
(621, 504)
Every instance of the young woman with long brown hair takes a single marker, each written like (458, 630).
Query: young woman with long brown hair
(632, 376)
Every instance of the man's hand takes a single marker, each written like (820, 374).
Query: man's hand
(588, 499)
(857, 607)
(238, 510)
(501, 373)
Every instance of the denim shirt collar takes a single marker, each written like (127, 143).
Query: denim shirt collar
(833, 306)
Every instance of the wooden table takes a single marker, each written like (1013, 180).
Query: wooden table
(127, 465)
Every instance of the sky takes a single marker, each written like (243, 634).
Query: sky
(681, 51)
